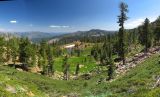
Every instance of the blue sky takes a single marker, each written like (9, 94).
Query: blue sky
(72, 15)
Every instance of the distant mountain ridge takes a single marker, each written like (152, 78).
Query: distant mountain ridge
(34, 36)
(70, 37)
(39, 36)
(92, 32)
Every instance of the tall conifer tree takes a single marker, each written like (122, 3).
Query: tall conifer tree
(121, 20)
(147, 34)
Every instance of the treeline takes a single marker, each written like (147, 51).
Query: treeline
(85, 39)
(22, 50)
(91, 36)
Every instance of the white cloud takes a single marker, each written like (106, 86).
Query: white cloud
(153, 18)
(56, 26)
(136, 22)
(13, 21)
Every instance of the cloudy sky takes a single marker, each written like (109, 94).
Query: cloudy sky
(72, 15)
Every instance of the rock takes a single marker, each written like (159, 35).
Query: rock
(132, 62)
(35, 69)
(19, 69)
(80, 66)
(11, 89)
(30, 94)
(86, 76)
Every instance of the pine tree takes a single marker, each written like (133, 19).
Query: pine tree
(106, 58)
(2, 44)
(8, 49)
(65, 68)
(77, 69)
(110, 62)
(121, 20)
(14, 49)
(43, 56)
(27, 52)
(157, 30)
(33, 55)
(40, 59)
(77, 48)
(135, 36)
(95, 51)
(22, 49)
(140, 37)
(50, 60)
(147, 34)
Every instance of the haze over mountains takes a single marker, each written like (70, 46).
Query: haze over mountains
(35, 36)
(79, 35)
(39, 36)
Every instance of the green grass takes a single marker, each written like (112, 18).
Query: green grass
(73, 61)
(136, 83)
(88, 65)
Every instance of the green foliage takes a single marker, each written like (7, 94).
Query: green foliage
(122, 37)
(107, 58)
(27, 52)
(57, 51)
(96, 51)
(157, 30)
(2, 49)
(65, 68)
(136, 83)
(14, 46)
(77, 69)
(147, 34)
(51, 68)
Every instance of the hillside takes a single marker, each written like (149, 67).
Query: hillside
(39, 36)
(34, 36)
(47, 51)
(138, 82)
(83, 36)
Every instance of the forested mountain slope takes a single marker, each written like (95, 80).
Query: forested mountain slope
(137, 82)
(84, 36)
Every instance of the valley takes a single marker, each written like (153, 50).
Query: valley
(55, 48)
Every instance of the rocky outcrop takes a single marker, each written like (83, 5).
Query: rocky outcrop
(135, 60)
